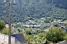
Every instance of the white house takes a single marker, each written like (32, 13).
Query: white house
(4, 39)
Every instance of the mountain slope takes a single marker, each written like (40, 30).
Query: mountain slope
(23, 9)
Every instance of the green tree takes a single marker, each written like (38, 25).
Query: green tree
(55, 35)
(2, 25)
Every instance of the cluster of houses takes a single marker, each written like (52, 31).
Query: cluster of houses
(31, 24)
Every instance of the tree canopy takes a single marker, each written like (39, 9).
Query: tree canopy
(2, 24)
(55, 35)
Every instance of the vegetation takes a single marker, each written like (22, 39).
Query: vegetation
(6, 31)
(36, 9)
(55, 35)
(2, 25)
(65, 37)
(35, 37)
(3, 29)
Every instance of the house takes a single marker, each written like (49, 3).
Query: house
(4, 39)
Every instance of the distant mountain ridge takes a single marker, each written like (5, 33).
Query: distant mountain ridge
(61, 3)
(25, 9)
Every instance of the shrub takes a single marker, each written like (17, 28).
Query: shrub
(2, 25)
(55, 35)
(28, 31)
(6, 31)
(65, 37)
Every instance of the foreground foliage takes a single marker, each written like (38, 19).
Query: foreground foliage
(55, 35)
(2, 25)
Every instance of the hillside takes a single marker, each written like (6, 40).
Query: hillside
(23, 10)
